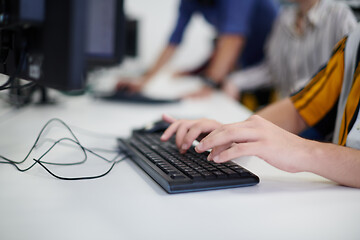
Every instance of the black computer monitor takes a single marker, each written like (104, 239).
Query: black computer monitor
(53, 42)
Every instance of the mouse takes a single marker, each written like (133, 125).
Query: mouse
(157, 126)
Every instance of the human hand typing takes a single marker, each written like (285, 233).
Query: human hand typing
(187, 131)
(257, 137)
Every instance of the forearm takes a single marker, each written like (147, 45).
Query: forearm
(337, 163)
(284, 115)
(225, 56)
(164, 57)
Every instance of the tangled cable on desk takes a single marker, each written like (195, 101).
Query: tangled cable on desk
(118, 158)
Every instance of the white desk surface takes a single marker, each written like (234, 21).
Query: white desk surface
(128, 204)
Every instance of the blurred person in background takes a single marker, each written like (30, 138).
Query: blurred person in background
(301, 41)
(329, 102)
(242, 27)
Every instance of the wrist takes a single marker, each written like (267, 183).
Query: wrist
(210, 82)
(148, 74)
(314, 153)
(145, 78)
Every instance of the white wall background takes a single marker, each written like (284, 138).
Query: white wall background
(157, 18)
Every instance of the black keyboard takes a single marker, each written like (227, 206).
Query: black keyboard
(187, 172)
(126, 96)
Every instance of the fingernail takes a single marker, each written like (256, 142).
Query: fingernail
(184, 147)
(199, 146)
(216, 159)
(209, 157)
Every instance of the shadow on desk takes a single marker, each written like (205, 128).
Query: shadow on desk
(289, 183)
(147, 179)
(273, 180)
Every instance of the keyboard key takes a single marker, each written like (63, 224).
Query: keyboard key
(219, 174)
(177, 176)
(196, 176)
(230, 172)
(208, 175)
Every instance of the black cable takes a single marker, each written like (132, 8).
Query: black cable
(30, 84)
(82, 147)
(42, 163)
(95, 149)
(39, 135)
(38, 138)
(76, 178)
(8, 161)
(46, 152)
(64, 164)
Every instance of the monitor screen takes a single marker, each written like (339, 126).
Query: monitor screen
(105, 33)
(100, 28)
(53, 43)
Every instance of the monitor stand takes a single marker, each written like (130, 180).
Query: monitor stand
(20, 97)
